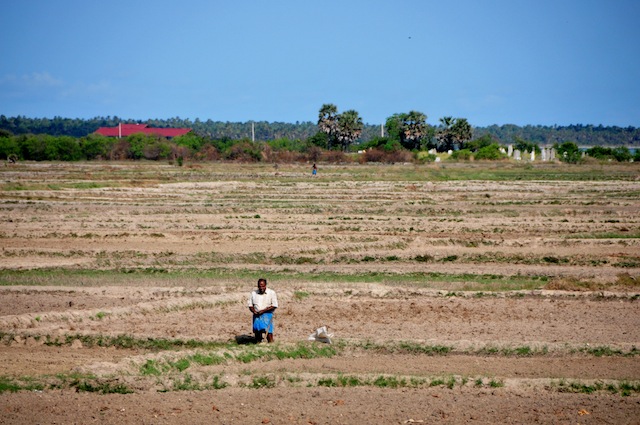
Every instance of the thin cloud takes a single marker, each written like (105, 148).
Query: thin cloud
(44, 83)
(81, 89)
(34, 80)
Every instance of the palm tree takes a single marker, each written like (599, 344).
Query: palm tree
(328, 121)
(413, 129)
(349, 128)
(408, 129)
(455, 131)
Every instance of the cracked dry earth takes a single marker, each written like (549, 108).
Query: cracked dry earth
(296, 232)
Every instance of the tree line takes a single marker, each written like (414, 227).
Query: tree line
(404, 137)
(583, 135)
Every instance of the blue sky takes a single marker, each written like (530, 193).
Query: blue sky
(538, 62)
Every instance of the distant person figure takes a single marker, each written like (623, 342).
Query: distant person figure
(314, 170)
(262, 303)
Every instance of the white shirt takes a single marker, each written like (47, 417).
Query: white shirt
(262, 301)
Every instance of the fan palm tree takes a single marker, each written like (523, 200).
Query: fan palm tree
(349, 128)
(455, 131)
(413, 129)
(328, 121)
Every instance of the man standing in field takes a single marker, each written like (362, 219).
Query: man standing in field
(262, 303)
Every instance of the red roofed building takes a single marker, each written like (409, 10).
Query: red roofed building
(124, 130)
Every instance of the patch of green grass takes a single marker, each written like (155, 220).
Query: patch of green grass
(552, 260)
(292, 379)
(262, 382)
(54, 186)
(349, 381)
(300, 295)
(286, 259)
(413, 348)
(100, 315)
(101, 387)
(628, 264)
(451, 382)
(327, 382)
(627, 388)
(341, 381)
(605, 235)
(305, 351)
(423, 258)
(193, 278)
(521, 351)
(217, 383)
(389, 382)
(87, 185)
(298, 351)
(605, 351)
(409, 347)
(624, 388)
(8, 187)
(406, 347)
(196, 305)
(151, 367)
(416, 382)
(129, 342)
(8, 384)
(186, 383)
(249, 356)
(181, 364)
(208, 360)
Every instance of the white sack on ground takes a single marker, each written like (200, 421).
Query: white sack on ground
(321, 335)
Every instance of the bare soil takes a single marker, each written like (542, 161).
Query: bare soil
(159, 228)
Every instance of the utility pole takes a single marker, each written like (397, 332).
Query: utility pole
(253, 132)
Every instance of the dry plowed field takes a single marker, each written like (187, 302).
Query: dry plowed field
(457, 293)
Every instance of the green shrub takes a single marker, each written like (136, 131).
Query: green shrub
(491, 152)
(622, 154)
(244, 151)
(8, 147)
(461, 155)
(96, 146)
(568, 152)
(424, 156)
(600, 152)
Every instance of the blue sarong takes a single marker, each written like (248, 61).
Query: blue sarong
(264, 322)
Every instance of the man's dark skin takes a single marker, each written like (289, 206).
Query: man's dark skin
(262, 287)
